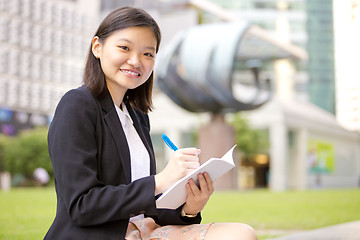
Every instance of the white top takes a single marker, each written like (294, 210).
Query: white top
(139, 156)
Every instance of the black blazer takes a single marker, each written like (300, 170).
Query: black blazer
(91, 161)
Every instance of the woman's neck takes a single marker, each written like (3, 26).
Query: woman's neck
(117, 94)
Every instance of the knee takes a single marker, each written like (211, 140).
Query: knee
(244, 231)
(231, 231)
(247, 232)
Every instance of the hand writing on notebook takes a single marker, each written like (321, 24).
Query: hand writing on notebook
(182, 162)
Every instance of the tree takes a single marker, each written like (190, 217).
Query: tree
(250, 141)
(3, 141)
(26, 152)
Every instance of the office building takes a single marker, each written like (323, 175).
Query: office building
(42, 50)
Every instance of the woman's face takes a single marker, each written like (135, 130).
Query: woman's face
(127, 57)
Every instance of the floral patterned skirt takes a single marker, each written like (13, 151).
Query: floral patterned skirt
(147, 229)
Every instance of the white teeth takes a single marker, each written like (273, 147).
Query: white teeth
(131, 72)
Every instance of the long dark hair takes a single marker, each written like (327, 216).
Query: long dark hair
(94, 78)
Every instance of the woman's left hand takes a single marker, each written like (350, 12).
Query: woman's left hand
(197, 197)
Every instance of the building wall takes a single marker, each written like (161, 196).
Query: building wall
(42, 50)
(300, 133)
(345, 172)
(347, 50)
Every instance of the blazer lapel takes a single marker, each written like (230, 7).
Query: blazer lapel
(112, 121)
(139, 126)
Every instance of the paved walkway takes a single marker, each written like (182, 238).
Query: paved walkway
(345, 231)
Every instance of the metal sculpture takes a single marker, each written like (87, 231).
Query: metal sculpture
(197, 69)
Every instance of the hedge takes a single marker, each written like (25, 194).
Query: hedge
(22, 154)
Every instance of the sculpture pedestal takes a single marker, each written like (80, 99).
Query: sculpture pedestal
(215, 139)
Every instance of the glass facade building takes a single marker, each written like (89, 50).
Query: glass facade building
(320, 46)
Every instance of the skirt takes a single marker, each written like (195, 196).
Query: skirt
(147, 229)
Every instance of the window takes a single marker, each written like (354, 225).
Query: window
(36, 62)
(14, 59)
(57, 71)
(68, 19)
(25, 64)
(57, 11)
(57, 42)
(36, 38)
(67, 44)
(14, 31)
(36, 10)
(48, 40)
(77, 46)
(4, 5)
(46, 69)
(13, 86)
(47, 12)
(46, 98)
(67, 73)
(4, 29)
(14, 6)
(3, 85)
(25, 34)
(3, 60)
(35, 99)
(77, 22)
(25, 8)
(24, 94)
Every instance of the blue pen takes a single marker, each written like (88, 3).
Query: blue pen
(168, 142)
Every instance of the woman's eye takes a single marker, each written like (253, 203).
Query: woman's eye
(124, 48)
(149, 55)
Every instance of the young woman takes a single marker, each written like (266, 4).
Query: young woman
(102, 155)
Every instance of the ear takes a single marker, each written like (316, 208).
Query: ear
(96, 46)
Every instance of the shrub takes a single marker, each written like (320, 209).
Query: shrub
(26, 152)
(3, 140)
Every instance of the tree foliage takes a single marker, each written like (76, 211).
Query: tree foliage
(24, 153)
(3, 140)
(249, 140)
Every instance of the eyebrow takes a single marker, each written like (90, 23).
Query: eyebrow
(126, 40)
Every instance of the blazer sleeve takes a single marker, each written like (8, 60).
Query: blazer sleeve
(73, 151)
(173, 217)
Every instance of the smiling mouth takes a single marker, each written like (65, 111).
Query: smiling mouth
(130, 72)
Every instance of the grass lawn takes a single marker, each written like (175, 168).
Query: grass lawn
(28, 212)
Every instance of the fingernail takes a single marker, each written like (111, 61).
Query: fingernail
(198, 152)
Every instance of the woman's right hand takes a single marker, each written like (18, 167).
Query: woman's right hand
(181, 163)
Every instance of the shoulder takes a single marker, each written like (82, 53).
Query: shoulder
(78, 96)
(81, 93)
(76, 101)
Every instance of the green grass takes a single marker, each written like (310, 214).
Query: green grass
(300, 210)
(28, 212)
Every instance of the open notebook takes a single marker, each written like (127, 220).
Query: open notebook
(175, 196)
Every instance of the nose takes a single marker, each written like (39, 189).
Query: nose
(134, 60)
